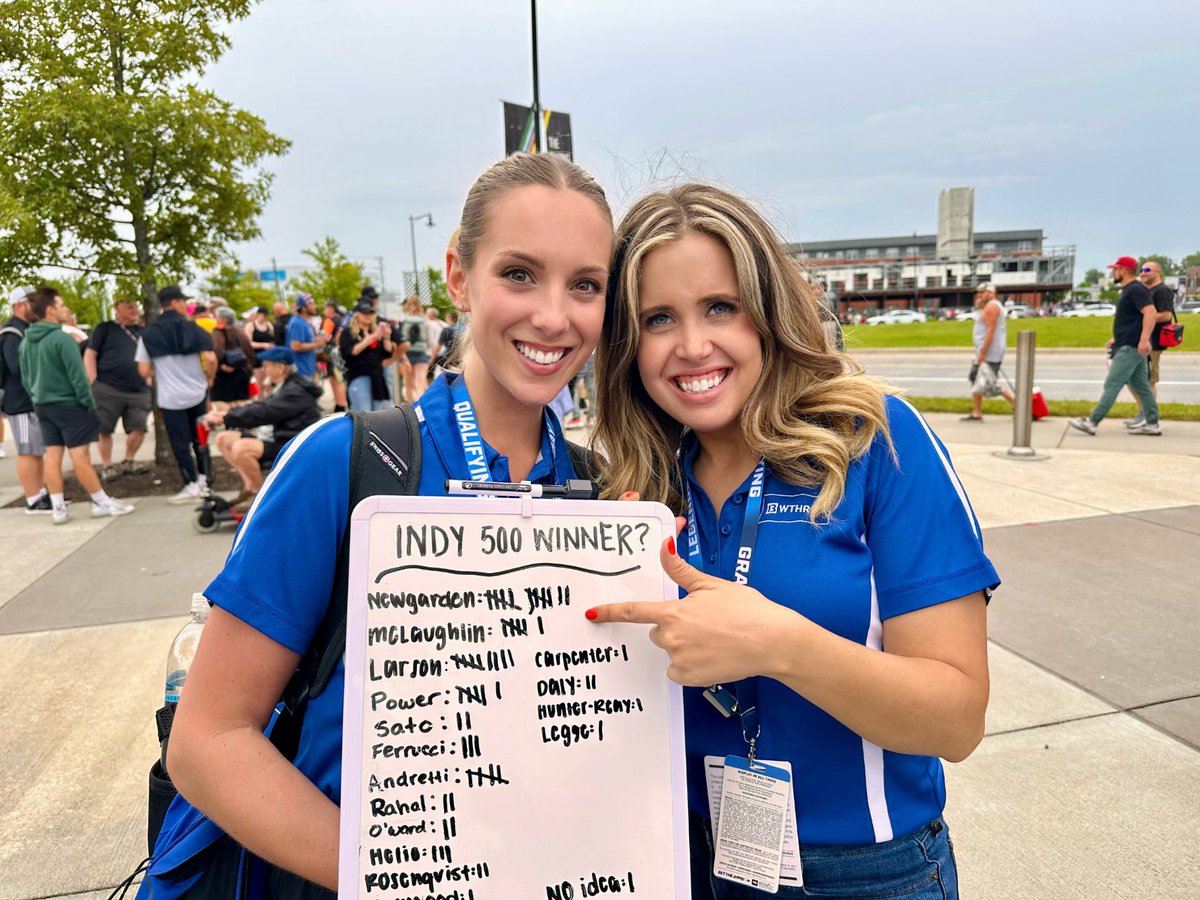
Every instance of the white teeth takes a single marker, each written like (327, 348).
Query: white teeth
(540, 357)
(701, 385)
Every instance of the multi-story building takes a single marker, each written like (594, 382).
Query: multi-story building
(935, 271)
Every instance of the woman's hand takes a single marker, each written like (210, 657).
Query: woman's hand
(719, 632)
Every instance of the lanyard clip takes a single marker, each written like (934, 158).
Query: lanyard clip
(722, 700)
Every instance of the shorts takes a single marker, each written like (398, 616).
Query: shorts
(27, 431)
(66, 425)
(270, 452)
(131, 407)
(417, 357)
(1155, 356)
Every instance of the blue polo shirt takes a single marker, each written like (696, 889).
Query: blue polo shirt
(903, 538)
(278, 576)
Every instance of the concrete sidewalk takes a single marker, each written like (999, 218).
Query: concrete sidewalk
(1087, 784)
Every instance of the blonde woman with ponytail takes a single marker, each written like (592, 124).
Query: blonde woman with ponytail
(835, 582)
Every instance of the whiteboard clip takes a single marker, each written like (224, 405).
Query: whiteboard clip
(526, 506)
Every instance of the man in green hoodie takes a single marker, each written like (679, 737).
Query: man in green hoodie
(52, 372)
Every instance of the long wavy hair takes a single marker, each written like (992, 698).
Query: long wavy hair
(811, 413)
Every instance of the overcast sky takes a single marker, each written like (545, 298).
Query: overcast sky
(843, 119)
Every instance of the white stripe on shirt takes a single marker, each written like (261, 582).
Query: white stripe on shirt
(881, 819)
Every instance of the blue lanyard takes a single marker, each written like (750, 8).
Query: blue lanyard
(474, 454)
(742, 701)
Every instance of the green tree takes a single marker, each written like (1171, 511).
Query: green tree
(1093, 276)
(133, 169)
(1191, 261)
(86, 296)
(440, 296)
(241, 289)
(1168, 265)
(333, 275)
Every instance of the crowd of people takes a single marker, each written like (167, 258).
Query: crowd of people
(260, 379)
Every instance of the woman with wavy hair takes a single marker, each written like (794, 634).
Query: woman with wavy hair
(834, 621)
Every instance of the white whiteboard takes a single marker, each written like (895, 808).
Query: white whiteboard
(497, 744)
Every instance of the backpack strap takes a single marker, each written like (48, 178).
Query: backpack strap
(586, 463)
(385, 458)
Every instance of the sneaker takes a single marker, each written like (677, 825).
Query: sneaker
(60, 515)
(113, 507)
(574, 423)
(1082, 424)
(190, 494)
(39, 507)
(3, 452)
(1146, 428)
(971, 419)
(110, 473)
(133, 467)
(1136, 423)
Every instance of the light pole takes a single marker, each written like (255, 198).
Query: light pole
(412, 234)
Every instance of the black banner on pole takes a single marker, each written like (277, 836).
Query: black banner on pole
(519, 134)
(558, 134)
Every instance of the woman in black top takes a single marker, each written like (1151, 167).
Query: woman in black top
(365, 344)
(262, 335)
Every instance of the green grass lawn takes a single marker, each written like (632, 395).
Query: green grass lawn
(1056, 332)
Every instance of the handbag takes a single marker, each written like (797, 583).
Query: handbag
(1171, 335)
(986, 383)
(235, 357)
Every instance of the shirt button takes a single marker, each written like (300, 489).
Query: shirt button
(725, 529)
(712, 557)
(737, 499)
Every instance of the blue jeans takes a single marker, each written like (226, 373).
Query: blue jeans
(1128, 368)
(919, 866)
(359, 393)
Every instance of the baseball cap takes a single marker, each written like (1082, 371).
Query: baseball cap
(276, 354)
(370, 292)
(171, 293)
(1123, 262)
(985, 288)
(364, 306)
(19, 295)
(303, 300)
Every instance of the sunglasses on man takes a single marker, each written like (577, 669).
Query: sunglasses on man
(1147, 269)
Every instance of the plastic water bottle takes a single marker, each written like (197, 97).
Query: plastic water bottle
(183, 648)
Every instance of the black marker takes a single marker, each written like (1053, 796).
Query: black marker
(573, 489)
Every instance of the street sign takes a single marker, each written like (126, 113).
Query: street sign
(272, 275)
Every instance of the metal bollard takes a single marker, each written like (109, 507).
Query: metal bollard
(1023, 402)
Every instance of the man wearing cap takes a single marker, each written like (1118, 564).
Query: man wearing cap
(52, 371)
(1129, 348)
(301, 338)
(989, 338)
(17, 405)
(290, 409)
(179, 355)
(1164, 307)
(120, 390)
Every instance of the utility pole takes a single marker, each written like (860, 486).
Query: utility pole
(538, 132)
(275, 276)
(412, 234)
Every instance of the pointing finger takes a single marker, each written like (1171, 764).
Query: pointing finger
(635, 612)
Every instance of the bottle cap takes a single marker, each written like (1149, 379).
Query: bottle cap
(199, 605)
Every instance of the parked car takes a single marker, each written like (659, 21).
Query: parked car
(1018, 312)
(897, 316)
(1189, 306)
(969, 315)
(1091, 309)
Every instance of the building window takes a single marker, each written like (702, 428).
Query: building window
(988, 247)
(851, 254)
(1024, 246)
(912, 251)
(872, 253)
(892, 251)
(839, 255)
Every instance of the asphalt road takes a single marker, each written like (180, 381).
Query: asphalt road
(1062, 375)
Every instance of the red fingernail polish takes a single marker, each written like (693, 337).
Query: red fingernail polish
(671, 545)
(591, 615)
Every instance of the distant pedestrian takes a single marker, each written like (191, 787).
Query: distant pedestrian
(17, 405)
(235, 359)
(989, 337)
(331, 356)
(282, 317)
(121, 392)
(261, 336)
(366, 343)
(416, 333)
(1164, 307)
(53, 372)
(1129, 348)
(179, 355)
(302, 338)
